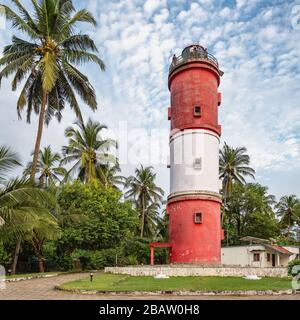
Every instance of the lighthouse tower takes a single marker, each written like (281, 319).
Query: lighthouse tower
(194, 202)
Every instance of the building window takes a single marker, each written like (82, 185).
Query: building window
(256, 257)
(198, 217)
(268, 257)
(197, 111)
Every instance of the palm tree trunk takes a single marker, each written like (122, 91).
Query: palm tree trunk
(227, 192)
(16, 256)
(39, 136)
(41, 264)
(223, 212)
(38, 247)
(142, 216)
(239, 223)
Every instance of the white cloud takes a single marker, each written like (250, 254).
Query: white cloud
(151, 6)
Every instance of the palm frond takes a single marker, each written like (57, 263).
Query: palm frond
(19, 23)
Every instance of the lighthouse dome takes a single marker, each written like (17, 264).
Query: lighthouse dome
(194, 50)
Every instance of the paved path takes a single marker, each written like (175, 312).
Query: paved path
(43, 289)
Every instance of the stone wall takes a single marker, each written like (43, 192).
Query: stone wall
(176, 271)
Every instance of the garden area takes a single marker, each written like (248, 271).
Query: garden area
(124, 283)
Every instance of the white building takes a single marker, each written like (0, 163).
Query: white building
(261, 255)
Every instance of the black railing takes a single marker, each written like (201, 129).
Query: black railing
(189, 56)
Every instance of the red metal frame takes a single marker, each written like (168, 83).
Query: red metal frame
(154, 245)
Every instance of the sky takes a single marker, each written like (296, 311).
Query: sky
(257, 44)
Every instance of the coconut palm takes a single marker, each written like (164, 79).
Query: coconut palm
(45, 62)
(44, 228)
(152, 219)
(109, 177)
(19, 202)
(142, 188)
(21, 207)
(288, 210)
(87, 149)
(15, 194)
(48, 167)
(162, 233)
(8, 161)
(233, 167)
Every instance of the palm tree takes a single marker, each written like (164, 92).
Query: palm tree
(18, 201)
(234, 167)
(87, 149)
(20, 206)
(8, 161)
(142, 188)
(48, 167)
(288, 209)
(109, 177)
(13, 193)
(45, 228)
(152, 219)
(46, 62)
(162, 228)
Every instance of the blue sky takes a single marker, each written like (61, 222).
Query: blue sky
(257, 45)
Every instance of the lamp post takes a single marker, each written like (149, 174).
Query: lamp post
(91, 276)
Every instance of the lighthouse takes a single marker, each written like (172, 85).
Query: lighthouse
(194, 203)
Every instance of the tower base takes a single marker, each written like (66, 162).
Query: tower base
(195, 230)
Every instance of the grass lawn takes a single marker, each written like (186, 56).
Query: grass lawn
(111, 282)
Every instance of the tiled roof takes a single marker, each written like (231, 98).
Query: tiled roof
(278, 249)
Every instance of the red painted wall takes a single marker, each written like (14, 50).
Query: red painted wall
(195, 243)
(190, 87)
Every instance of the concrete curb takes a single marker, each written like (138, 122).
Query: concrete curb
(40, 276)
(31, 277)
(182, 293)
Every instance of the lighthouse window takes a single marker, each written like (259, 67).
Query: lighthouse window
(198, 217)
(197, 111)
(198, 164)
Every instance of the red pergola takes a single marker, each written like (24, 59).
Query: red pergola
(154, 245)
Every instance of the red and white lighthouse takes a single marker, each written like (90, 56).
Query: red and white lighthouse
(194, 203)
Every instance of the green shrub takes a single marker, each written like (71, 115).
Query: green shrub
(104, 258)
(139, 248)
(131, 261)
(85, 258)
(291, 266)
(5, 257)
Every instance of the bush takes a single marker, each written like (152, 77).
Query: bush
(131, 261)
(291, 265)
(5, 257)
(139, 248)
(85, 258)
(104, 258)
